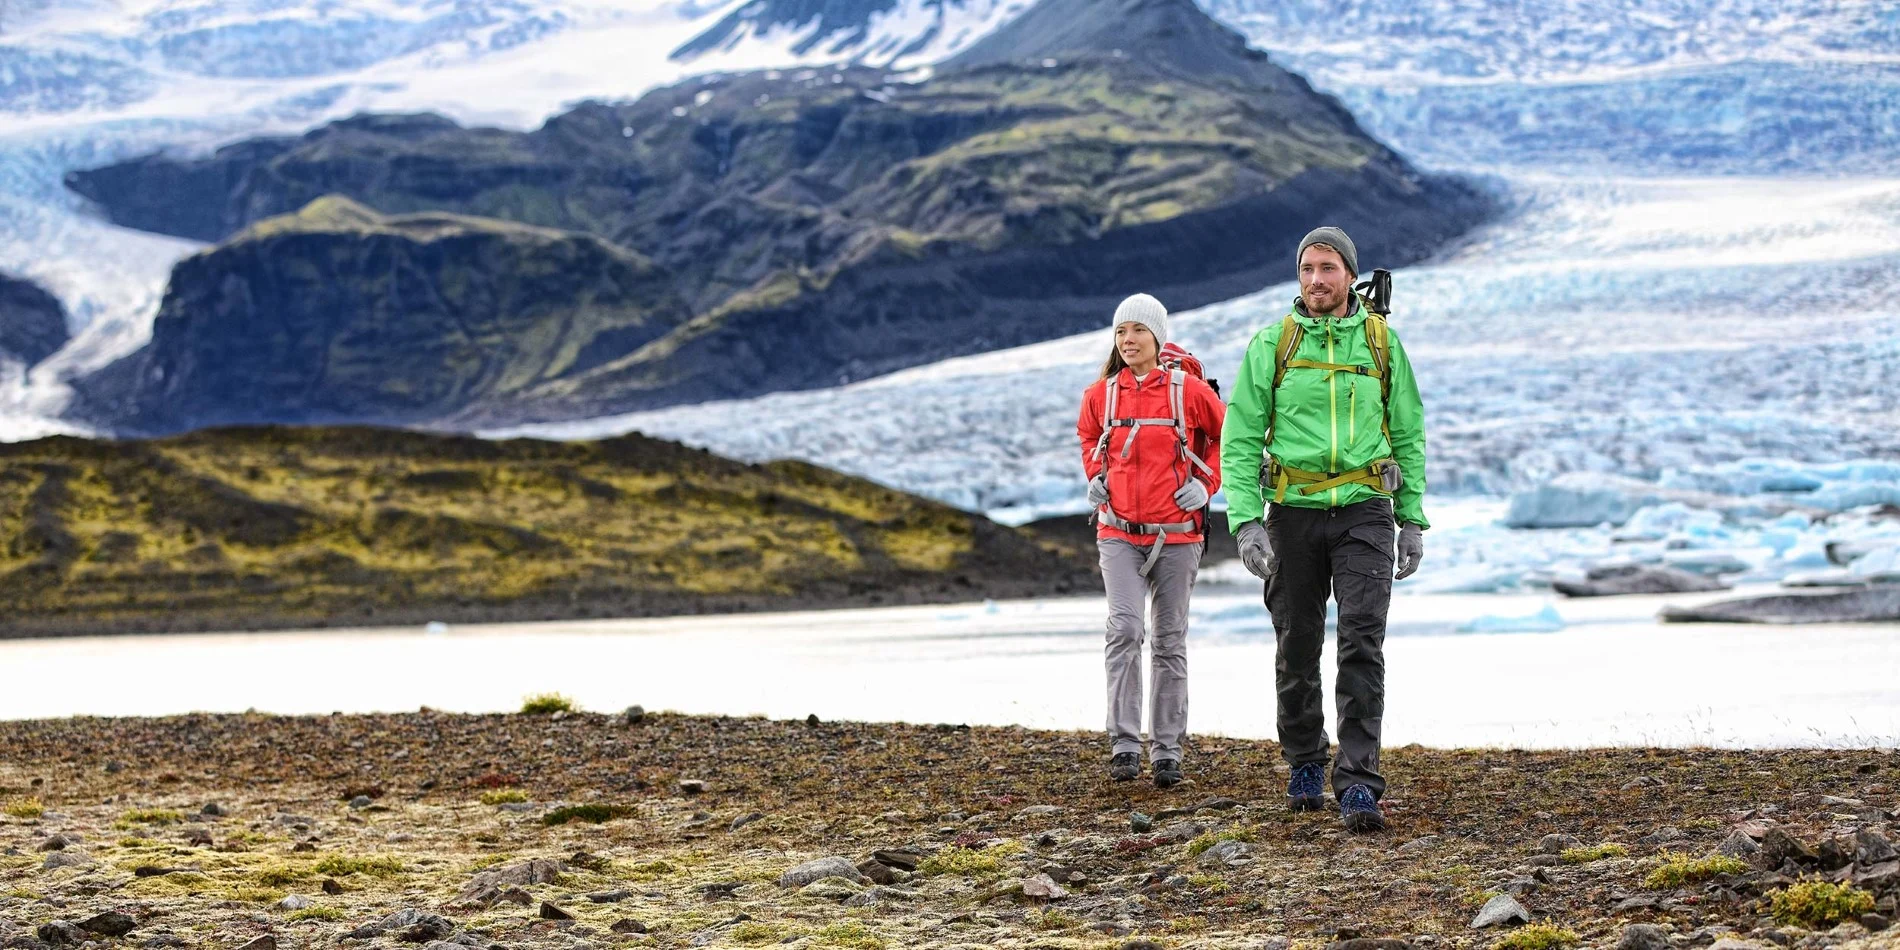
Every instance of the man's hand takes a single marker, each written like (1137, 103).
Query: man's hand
(1411, 549)
(1098, 490)
(1255, 550)
(1191, 496)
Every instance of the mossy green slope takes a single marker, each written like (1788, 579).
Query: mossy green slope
(271, 527)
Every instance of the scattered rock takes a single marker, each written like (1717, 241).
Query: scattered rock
(1558, 844)
(879, 895)
(1880, 877)
(265, 942)
(1502, 909)
(1872, 847)
(1874, 923)
(833, 888)
(1643, 937)
(627, 925)
(820, 869)
(877, 872)
(1734, 943)
(515, 895)
(692, 786)
(213, 809)
(198, 836)
(1043, 887)
(633, 717)
(294, 902)
(551, 912)
(1039, 811)
(1660, 836)
(1778, 846)
(1140, 823)
(409, 924)
(60, 932)
(901, 860)
(1738, 845)
(1643, 781)
(486, 887)
(584, 860)
(56, 843)
(1227, 854)
(1370, 943)
(744, 820)
(331, 887)
(1639, 902)
(110, 924)
(64, 859)
(1419, 844)
(362, 801)
(609, 897)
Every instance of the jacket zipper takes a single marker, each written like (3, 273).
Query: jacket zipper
(1332, 394)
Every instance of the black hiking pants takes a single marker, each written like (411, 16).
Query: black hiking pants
(1345, 553)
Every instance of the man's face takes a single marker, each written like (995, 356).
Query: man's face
(1324, 280)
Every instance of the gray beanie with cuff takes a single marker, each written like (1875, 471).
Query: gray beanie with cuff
(1334, 238)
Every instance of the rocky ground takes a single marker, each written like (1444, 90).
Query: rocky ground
(581, 830)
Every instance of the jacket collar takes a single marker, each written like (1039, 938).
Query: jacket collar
(1353, 318)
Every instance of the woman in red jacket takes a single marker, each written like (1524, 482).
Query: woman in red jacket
(1151, 447)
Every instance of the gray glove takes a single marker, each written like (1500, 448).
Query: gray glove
(1191, 496)
(1098, 490)
(1411, 548)
(1255, 550)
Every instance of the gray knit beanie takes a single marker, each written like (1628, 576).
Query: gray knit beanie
(1146, 311)
(1334, 238)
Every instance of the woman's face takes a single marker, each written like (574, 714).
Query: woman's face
(1136, 345)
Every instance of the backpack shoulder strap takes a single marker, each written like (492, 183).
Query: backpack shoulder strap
(1290, 333)
(1177, 382)
(1379, 340)
(1108, 414)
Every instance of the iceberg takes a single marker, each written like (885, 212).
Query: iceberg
(1546, 620)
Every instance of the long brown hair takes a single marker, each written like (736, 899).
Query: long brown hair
(1115, 363)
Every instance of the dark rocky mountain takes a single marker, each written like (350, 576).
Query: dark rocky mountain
(32, 322)
(337, 312)
(828, 225)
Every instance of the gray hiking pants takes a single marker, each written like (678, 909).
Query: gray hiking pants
(1345, 553)
(1169, 584)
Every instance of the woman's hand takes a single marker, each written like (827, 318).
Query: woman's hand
(1191, 496)
(1098, 490)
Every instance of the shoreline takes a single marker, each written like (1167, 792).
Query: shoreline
(702, 816)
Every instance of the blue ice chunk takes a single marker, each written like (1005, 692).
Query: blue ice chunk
(1546, 620)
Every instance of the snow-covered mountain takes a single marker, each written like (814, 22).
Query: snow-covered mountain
(84, 84)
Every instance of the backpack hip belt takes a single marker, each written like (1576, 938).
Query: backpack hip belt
(1382, 476)
(1108, 517)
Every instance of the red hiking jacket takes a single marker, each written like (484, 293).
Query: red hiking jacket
(1141, 487)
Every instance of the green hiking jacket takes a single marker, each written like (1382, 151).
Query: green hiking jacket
(1322, 421)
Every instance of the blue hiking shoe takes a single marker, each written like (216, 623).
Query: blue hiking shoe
(1306, 790)
(1360, 811)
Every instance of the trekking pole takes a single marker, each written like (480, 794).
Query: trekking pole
(1377, 291)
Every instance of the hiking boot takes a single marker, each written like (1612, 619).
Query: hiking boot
(1167, 773)
(1306, 790)
(1124, 767)
(1360, 811)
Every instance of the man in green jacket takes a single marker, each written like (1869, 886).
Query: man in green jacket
(1326, 423)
